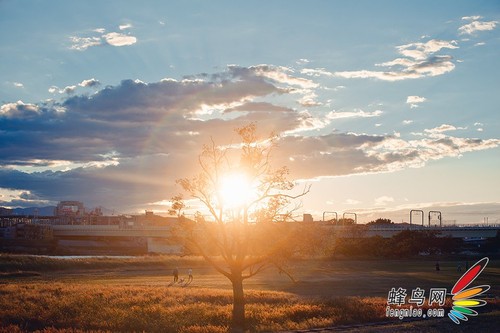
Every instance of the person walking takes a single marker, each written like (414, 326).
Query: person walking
(176, 275)
(190, 276)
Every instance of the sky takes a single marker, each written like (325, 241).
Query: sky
(382, 106)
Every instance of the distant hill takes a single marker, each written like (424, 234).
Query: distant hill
(42, 211)
(47, 211)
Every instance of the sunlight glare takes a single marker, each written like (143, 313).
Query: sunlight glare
(235, 190)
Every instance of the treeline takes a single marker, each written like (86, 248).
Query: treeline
(404, 244)
(306, 240)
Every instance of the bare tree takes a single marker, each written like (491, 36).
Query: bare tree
(245, 197)
(177, 205)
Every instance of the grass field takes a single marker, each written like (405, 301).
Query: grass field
(128, 295)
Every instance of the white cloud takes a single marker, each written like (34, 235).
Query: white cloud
(309, 100)
(72, 88)
(89, 83)
(383, 200)
(302, 61)
(13, 198)
(307, 122)
(433, 67)
(472, 18)
(68, 90)
(407, 122)
(316, 72)
(421, 51)
(397, 154)
(118, 39)
(19, 110)
(125, 26)
(414, 101)
(480, 44)
(18, 85)
(397, 62)
(419, 61)
(444, 128)
(475, 26)
(83, 43)
(279, 74)
(353, 114)
(351, 202)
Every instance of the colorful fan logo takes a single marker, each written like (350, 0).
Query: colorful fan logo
(463, 300)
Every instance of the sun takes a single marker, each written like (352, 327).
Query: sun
(236, 190)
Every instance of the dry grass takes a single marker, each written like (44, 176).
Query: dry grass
(83, 307)
(130, 295)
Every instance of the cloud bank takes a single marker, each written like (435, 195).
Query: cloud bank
(126, 144)
(419, 60)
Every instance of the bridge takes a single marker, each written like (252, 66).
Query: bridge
(159, 238)
(152, 238)
(110, 231)
(386, 231)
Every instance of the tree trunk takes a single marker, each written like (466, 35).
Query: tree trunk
(238, 320)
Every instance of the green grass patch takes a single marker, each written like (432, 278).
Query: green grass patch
(13, 263)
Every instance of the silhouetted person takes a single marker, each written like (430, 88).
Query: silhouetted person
(190, 276)
(176, 275)
(437, 267)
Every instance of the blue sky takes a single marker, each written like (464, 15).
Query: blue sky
(382, 106)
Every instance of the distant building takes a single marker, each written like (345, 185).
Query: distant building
(307, 218)
(70, 209)
(151, 219)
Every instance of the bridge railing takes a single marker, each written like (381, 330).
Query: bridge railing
(107, 228)
(473, 225)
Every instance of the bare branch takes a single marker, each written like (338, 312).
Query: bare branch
(282, 269)
(212, 262)
(256, 271)
(246, 249)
